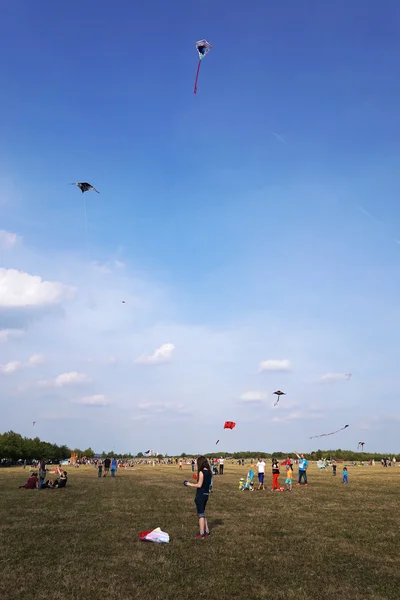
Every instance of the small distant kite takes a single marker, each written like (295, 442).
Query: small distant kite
(85, 187)
(203, 48)
(348, 376)
(332, 432)
(33, 423)
(123, 302)
(279, 394)
(217, 442)
(361, 444)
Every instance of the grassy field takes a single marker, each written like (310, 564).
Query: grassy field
(326, 541)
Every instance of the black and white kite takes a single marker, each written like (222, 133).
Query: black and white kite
(279, 394)
(85, 187)
(332, 432)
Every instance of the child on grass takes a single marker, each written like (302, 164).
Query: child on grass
(275, 475)
(345, 478)
(202, 491)
(261, 472)
(289, 477)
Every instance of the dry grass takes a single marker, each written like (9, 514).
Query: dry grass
(328, 541)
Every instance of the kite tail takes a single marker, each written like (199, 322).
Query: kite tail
(197, 77)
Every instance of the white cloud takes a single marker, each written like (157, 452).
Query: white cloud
(298, 416)
(11, 366)
(35, 360)
(16, 365)
(8, 334)
(19, 289)
(95, 400)
(275, 365)
(64, 379)
(163, 354)
(335, 376)
(7, 239)
(163, 407)
(253, 397)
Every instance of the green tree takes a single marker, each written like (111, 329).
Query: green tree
(89, 453)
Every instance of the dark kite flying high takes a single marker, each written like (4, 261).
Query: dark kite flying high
(85, 187)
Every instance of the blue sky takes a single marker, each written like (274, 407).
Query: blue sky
(256, 221)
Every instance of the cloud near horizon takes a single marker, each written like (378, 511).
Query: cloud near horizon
(95, 400)
(162, 355)
(92, 341)
(65, 379)
(335, 376)
(16, 365)
(275, 365)
(8, 239)
(19, 290)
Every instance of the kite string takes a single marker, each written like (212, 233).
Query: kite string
(197, 77)
(86, 226)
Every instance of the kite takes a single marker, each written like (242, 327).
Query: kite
(85, 187)
(362, 446)
(227, 425)
(203, 48)
(158, 536)
(33, 423)
(279, 394)
(347, 376)
(332, 432)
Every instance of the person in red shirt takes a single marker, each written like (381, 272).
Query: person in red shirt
(31, 483)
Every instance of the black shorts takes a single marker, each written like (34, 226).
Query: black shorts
(201, 503)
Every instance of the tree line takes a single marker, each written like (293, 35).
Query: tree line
(15, 447)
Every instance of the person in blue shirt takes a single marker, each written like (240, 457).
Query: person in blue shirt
(114, 467)
(345, 475)
(303, 464)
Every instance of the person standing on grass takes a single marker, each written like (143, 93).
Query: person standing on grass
(42, 473)
(99, 469)
(345, 475)
(261, 472)
(289, 477)
(275, 475)
(107, 463)
(334, 467)
(303, 464)
(114, 467)
(202, 492)
(221, 465)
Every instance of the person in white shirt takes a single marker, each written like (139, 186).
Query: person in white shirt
(221, 466)
(261, 471)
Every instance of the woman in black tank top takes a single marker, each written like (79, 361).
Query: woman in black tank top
(202, 491)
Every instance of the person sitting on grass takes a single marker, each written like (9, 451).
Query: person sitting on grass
(202, 492)
(63, 479)
(31, 483)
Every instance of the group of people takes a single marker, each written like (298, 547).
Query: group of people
(38, 481)
(109, 465)
(288, 464)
